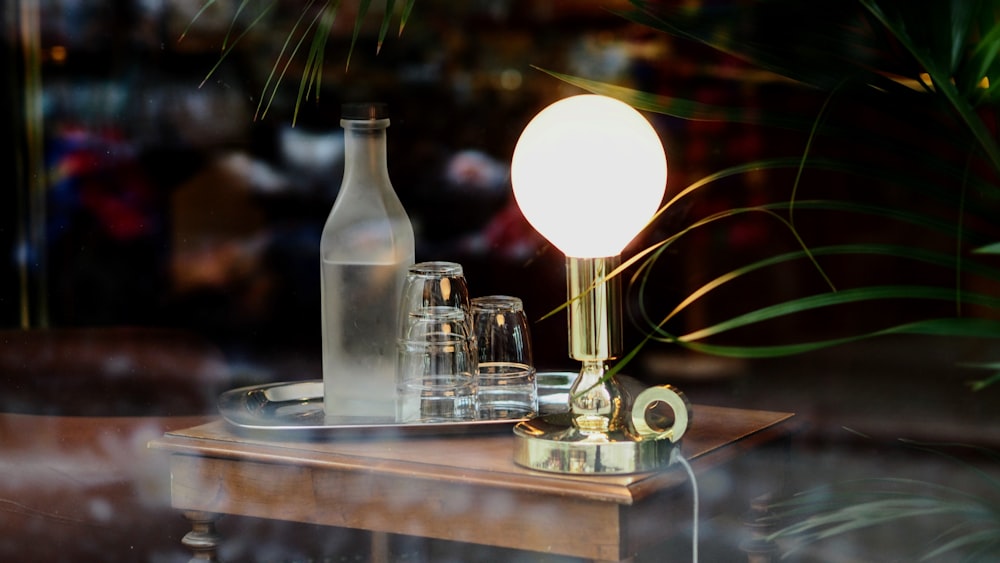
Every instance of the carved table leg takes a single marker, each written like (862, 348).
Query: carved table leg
(203, 540)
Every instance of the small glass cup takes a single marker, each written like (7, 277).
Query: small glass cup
(436, 367)
(506, 373)
(432, 284)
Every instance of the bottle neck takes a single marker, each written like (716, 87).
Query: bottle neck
(365, 152)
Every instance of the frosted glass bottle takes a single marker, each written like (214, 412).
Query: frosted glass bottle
(366, 248)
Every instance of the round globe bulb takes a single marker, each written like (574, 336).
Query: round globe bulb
(589, 172)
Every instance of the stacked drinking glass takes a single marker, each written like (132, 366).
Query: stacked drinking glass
(460, 360)
(436, 366)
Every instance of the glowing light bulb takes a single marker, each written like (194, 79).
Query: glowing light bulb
(588, 173)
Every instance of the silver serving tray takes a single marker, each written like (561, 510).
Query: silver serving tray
(295, 409)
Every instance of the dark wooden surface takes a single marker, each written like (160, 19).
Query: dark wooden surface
(455, 488)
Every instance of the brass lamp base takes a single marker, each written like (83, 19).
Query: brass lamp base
(551, 443)
(556, 442)
(605, 430)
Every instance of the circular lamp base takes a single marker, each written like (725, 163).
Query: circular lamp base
(553, 443)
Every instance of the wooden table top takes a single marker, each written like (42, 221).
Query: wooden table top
(716, 435)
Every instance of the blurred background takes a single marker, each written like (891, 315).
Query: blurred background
(151, 198)
(148, 195)
(162, 177)
(140, 195)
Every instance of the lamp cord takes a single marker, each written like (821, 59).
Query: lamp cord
(694, 491)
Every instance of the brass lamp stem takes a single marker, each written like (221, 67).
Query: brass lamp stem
(594, 316)
(594, 337)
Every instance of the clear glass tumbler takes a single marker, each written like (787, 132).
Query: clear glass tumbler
(432, 284)
(506, 373)
(436, 367)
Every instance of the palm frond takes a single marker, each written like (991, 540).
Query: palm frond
(315, 20)
(275, 76)
(228, 47)
(363, 6)
(930, 70)
(992, 379)
(969, 522)
(861, 48)
(405, 16)
(942, 72)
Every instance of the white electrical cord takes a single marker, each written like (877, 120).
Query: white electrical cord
(694, 517)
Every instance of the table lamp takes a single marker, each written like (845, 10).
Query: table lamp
(588, 173)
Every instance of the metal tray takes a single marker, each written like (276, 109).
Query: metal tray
(295, 410)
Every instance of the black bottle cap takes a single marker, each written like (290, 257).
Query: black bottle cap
(364, 110)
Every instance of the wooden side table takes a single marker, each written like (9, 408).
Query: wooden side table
(463, 488)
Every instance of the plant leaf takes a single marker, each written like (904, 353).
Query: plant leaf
(993, 379)
(842, 508)
(986, 538)
(312, 74)
(363, 6)
(943, 84)
(948, 326)
(229, 49)
(405, 17)
(989, 249)
(679, 107)
(277, 62)
(187, 28)
(386, 20)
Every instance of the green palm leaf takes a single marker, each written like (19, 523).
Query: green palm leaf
(941, 71)
(931, 67)
(320, 17)
(851, 49)
(850, 506)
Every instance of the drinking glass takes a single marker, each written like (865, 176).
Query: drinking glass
(506, 373)
(432, 284)
(436, 367)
